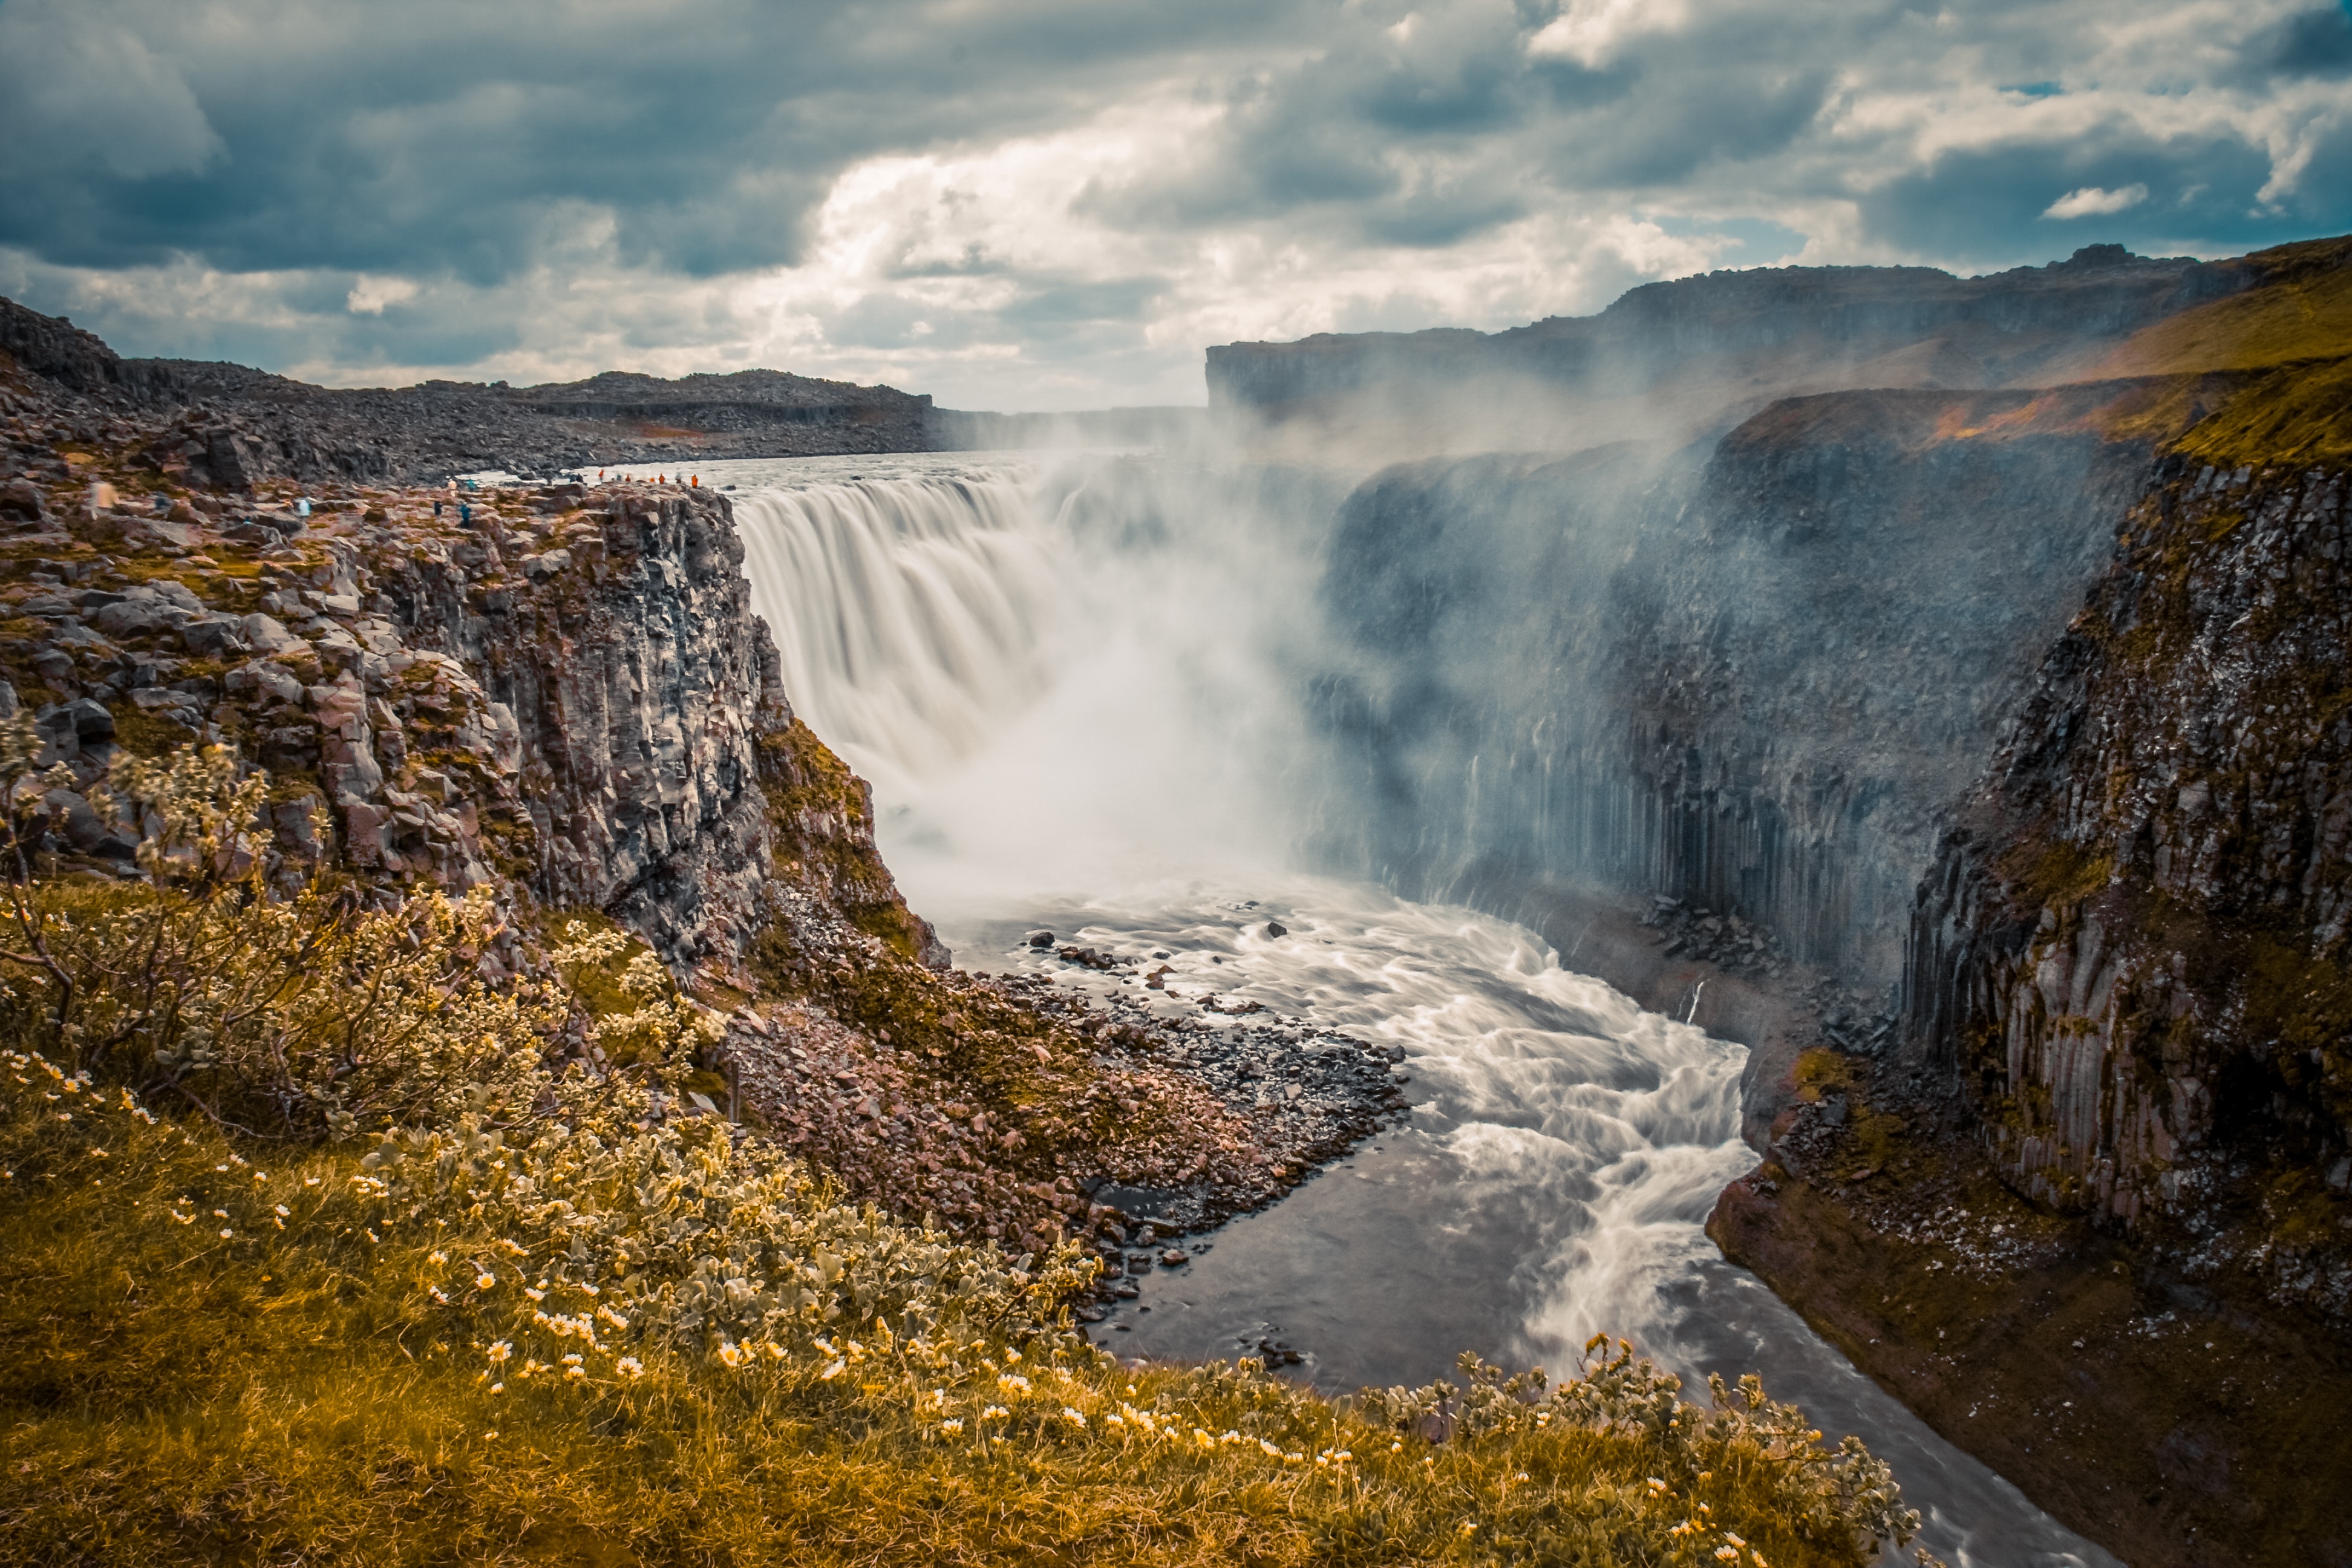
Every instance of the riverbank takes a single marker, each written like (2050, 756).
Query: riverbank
(2145, 1409)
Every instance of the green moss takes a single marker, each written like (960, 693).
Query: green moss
(822, 817)
(1819, 1070)
(2301, 311)
(2055, 874)
(145, 735)
(2300, 414)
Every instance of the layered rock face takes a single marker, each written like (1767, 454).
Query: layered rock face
(1755, 683)
(2028, 710)
(2134, 948)
(538, 699)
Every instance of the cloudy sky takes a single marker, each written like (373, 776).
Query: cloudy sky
(1056, 204)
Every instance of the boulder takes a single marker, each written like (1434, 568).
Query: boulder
(213, 636)
(263, 677)
(267, 635)
(91, 721)
(85, 829)
(21, 500)
(128, 619)
(363, 832)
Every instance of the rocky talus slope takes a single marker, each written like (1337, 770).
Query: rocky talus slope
(564, 700)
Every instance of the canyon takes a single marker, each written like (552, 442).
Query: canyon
(1934, 686)
(1993, 737)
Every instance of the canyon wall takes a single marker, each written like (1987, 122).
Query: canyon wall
(1753, 679)
(2028, 712)
(2132, 946)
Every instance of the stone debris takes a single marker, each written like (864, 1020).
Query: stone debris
(1726, 940)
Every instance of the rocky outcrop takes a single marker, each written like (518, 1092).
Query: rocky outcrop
(558, 695)
(2135, 948)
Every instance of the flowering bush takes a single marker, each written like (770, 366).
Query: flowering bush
(276, 1014)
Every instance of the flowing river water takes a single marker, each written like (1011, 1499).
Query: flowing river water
(1075, 685)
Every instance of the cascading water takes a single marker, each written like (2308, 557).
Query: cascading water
(1076, 690)
(913, 605)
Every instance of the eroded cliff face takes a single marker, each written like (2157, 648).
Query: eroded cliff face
(2136, 945)
(563, 702)
(1755, 683)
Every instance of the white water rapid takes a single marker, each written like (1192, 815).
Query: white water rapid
(1074, 686)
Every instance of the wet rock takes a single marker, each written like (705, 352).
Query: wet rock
(1041, 939)
(1276, 928)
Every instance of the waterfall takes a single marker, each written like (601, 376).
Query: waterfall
(1060, 677)
(908, 611)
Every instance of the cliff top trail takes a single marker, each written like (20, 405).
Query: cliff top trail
(1691, 358)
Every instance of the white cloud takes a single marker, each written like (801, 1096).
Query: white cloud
(369, 295)
(1592, 32)
(2092, 201)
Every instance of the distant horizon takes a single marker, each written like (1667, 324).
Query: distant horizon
(1202, 405)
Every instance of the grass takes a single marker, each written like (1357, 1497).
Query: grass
(539, 1321)
(211, 1352)
(2301, 311)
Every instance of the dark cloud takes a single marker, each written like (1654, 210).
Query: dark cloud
(441, 136)
(2317, 43)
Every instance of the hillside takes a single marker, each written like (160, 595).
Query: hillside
(231, 424)
(1689, 360)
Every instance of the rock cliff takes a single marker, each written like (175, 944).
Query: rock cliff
(559, 697)
(1691, 358)
(2022, 712)
(1752, 679)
